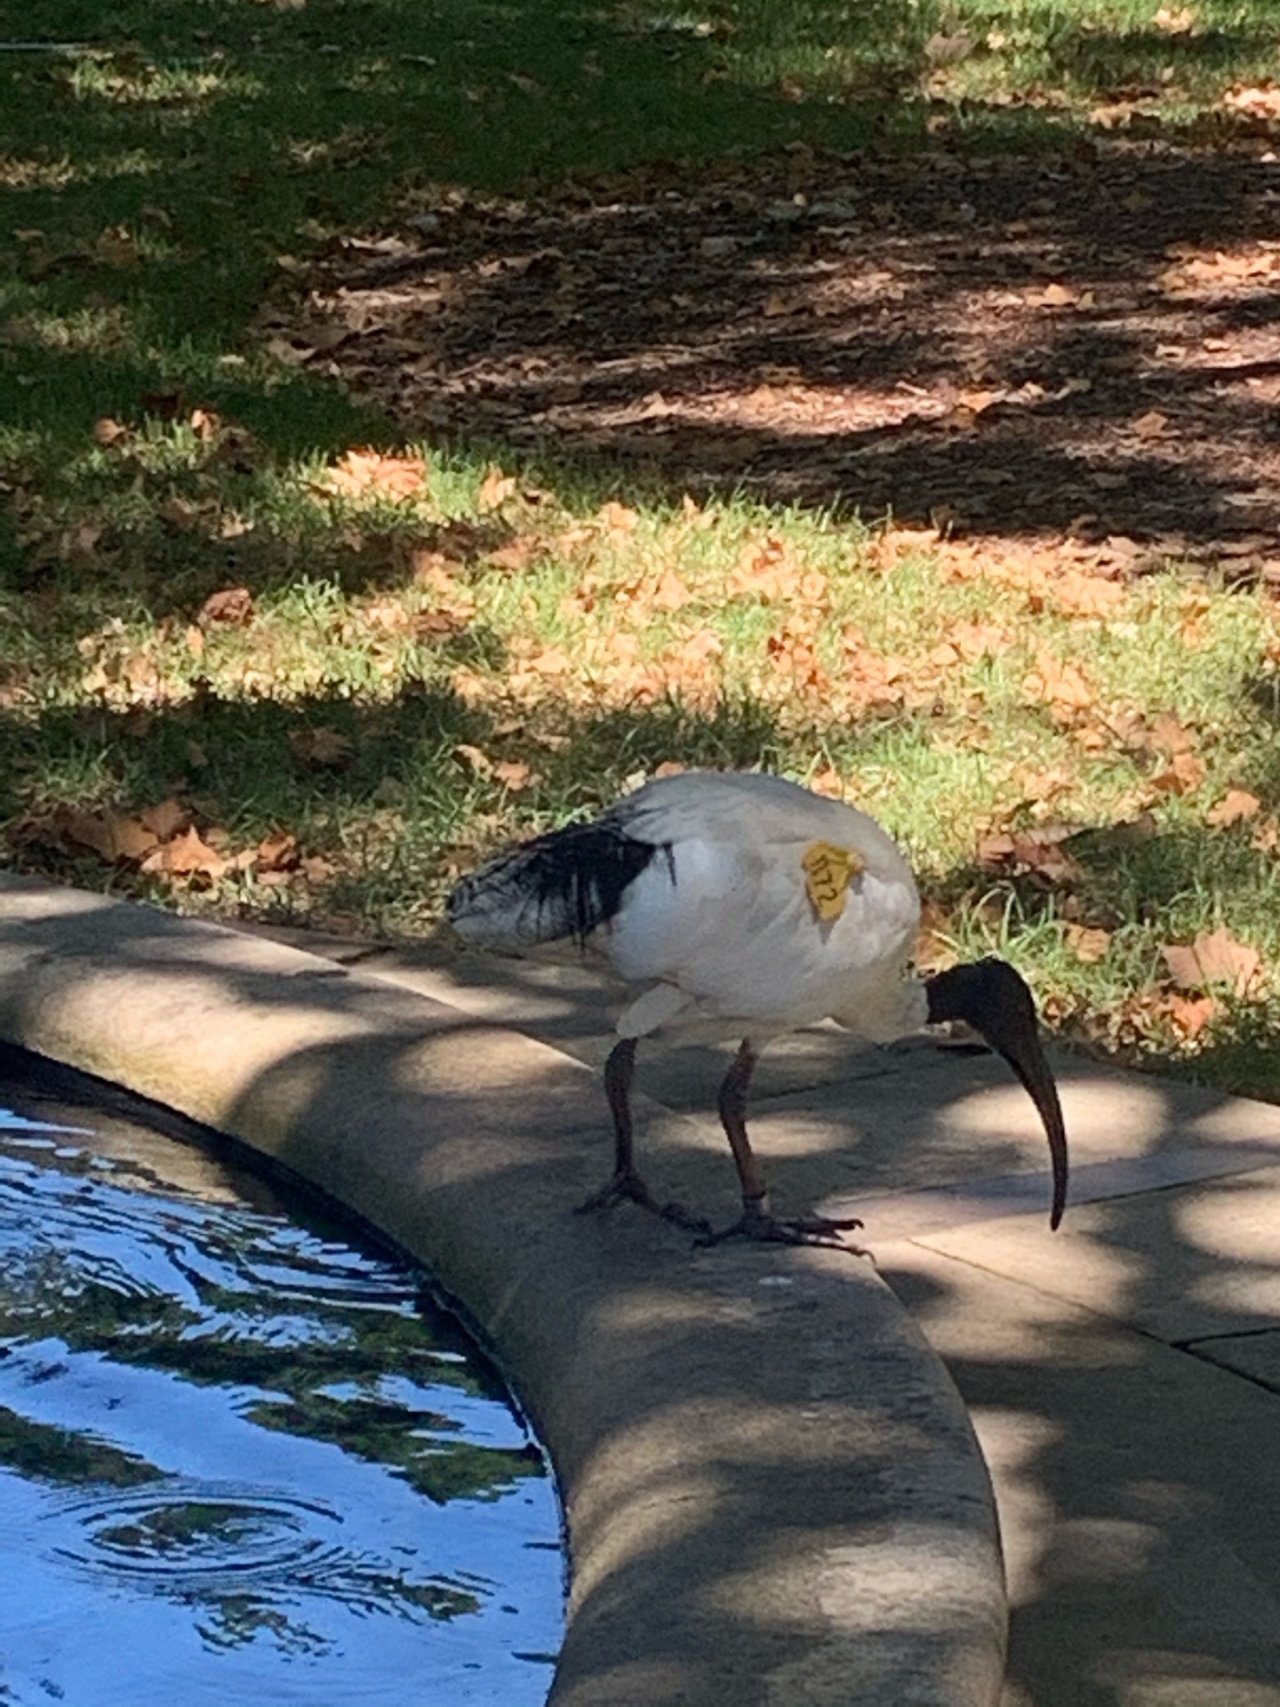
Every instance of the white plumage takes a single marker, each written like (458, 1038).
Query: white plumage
(718, 894)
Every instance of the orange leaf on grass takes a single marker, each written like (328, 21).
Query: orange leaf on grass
(365, 473)
(671, 593)
(1235, 805)
(1184, 772)
(1190, 1014)
(165, 819)
(978, 639)
(515, 554)
(1076, 594)
(228, 604)
(617, 517)
(109, 431)
(479, 760)
(1170, 735)
(1059, 683)
(187, 855)
(276, 853)
(1038, 851)
(1215, 957)
(1089, 944)
(495, 489)
(111, 835)
(515, 775)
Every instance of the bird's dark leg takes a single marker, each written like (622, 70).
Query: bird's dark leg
(619, 1070)
(757, 1222)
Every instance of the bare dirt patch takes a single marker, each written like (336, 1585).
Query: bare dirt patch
(1084, 346)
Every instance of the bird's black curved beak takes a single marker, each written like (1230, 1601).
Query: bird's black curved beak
(991, 997)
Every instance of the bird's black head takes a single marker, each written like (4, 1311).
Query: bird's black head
(991, 997)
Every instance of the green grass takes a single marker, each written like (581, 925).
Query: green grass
(392, 701)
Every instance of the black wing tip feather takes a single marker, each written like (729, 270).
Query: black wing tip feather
(565, 884)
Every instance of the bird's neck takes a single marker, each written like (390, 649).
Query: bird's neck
(886, 1010)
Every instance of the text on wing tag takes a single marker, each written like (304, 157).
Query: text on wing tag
(828, 872)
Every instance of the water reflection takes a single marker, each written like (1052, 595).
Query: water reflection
(237, 1461)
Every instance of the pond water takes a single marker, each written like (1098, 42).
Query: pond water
(242, 1459)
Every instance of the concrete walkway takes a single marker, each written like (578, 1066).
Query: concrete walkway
(1123, 1375)
(771, 1495)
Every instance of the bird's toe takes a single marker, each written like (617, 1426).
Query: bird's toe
(761, 1226)
(627, 1186)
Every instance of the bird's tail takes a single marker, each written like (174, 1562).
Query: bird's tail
(565, 884)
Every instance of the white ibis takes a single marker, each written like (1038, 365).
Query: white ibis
(746, 906)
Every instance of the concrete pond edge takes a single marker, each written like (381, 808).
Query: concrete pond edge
(772, 1490)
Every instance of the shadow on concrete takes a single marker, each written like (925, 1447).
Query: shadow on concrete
(1138, 1503)
(1128, 1441)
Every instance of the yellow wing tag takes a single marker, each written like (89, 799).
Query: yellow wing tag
(828, 872)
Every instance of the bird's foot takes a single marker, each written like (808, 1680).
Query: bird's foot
(757, 1223)
(626, 1185)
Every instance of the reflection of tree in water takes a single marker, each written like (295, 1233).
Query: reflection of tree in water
(235, 1619)
(325, 1343)
(301, 1335)
(42, 1451)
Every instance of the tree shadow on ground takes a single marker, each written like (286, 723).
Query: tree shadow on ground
(1123, 1408)
(1016, 347)
(741, 288)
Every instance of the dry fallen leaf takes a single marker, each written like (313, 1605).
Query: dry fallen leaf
(514, 774)
(671, 593)
(1038, 851)
(516, 554)
(1190, 1014)
(1088, 944)
(1076, 594)
(1236, 804)
(977, 401)
(549, 662)
(365, 473)
(1058, 296)
(165, 819)
(229, 605)
(206, 424)
(1059, 683)
(978, 639)
(430, 624)
(1184, 772)
(276, 853)
(617, 517)
(320, 746)
(495, 489)
(111, 835)
(1257, 100)
(187, 855)
(1179, 21)
(792, 650)
(1169, 735)
(1215, 957)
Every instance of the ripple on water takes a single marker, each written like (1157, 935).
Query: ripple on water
(237, 1461)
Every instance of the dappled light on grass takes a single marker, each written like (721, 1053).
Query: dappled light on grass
(408, 449)
(515, 656)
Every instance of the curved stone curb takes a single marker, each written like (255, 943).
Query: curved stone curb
(772, 1490)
